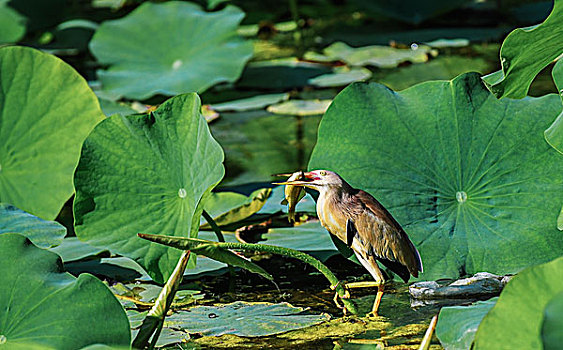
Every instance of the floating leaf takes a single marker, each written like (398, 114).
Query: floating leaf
(442, 43)
(378, 56)
(44, 306)
(72, 249)
(457, 324)
(554, 134)
(300, 107)
(177, 48)
(525, 52)
(146, 173)
(340, 77)
(229, 207)
(516, 319)
(250, 103)
(43, 234)
(552, 325)
(47, 112)
(12, 24)
(243, 319)
(468, 176)
(208, 249)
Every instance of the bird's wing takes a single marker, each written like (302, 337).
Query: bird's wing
(384, 237)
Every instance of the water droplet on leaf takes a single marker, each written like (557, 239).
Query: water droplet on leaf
(461, 196)
(182, 193)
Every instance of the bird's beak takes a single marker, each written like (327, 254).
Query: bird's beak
(307, 180)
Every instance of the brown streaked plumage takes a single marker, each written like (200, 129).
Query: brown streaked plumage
(360, 221)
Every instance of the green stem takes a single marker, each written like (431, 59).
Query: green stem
(213, 225)
(155, 317)
(220, 238)
(306, 258)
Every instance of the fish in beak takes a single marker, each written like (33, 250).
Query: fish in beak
(310, 179)
(293, 194)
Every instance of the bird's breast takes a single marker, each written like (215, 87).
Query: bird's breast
(331, 218)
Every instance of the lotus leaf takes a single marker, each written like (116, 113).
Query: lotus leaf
(554, 134)
(525, 52)
(43, 306)
(515, 322)
(47, 110)
(177, 47)
(378, 56)
(341, 76)
(250, 103)
(469, 177)
(146, 173)
(12, 24)
(457, 324)
(42, 233)
(243, 319)
(300, 107)
(552, 337)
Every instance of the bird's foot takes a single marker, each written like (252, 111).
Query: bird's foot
(346, 295)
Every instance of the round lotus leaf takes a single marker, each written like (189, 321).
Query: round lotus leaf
(12, 24)
(42, 233)
(170, 48)
(515, 322)
(146, 173)
(469, 177)
(457, 325)
(47, 110)
(45, 307)
(552, 325)
(525, 52)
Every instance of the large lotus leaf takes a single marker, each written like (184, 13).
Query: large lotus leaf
(12, 24)
(42, 233)
(47, 110)
(170, 48)
(457, 325)
(410, 11)
(552, 325)
(515, 322)
(43, 305)
(554, 134)
(525, 52)
(469, 177)
(146, 173)
(243, 319)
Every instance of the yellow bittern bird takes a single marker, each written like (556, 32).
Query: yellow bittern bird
(359, 220)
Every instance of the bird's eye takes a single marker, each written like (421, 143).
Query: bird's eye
(322, 173)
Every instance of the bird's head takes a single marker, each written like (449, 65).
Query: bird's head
(320, 180)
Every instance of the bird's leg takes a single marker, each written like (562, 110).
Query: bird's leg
(377, 301)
